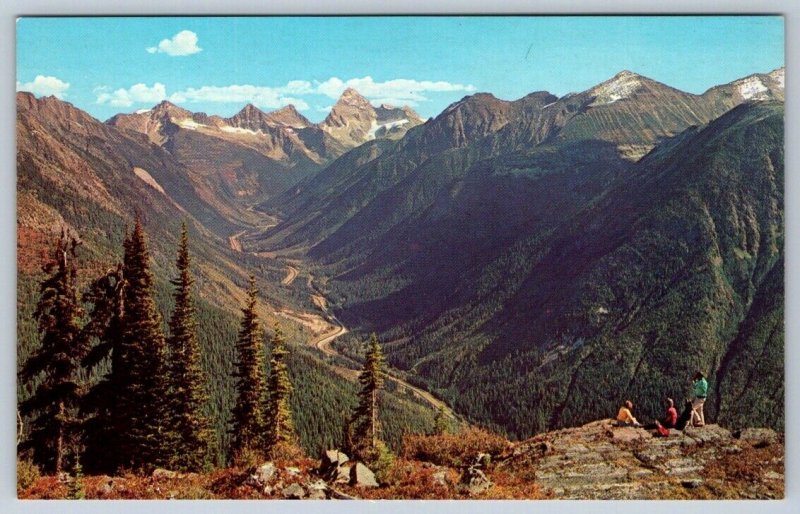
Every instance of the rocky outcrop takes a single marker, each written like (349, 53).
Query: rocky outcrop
(334, 467)
(601, 461)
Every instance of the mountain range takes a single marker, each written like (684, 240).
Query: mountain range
(533, 262)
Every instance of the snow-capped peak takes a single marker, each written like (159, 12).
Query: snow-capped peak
(751, 88)
(620, 86)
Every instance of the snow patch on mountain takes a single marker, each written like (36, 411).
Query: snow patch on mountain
(239, 130)
(190, 124)
(618, 88)
(752, 88)
(375, 127)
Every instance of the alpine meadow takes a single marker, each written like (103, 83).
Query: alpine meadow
(373, 258)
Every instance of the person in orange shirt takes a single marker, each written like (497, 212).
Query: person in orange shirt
(625, 416)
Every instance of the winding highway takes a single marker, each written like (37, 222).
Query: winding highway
(328, 328)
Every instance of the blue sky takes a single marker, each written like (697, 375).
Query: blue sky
(217, 65)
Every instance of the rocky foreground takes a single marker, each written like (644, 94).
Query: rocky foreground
(594, 461)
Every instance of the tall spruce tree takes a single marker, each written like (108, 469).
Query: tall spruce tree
(56, 362)
(191, 444)
(131, 400)
(363, 430)
(141, 400)
(280, 427)
(247, 429)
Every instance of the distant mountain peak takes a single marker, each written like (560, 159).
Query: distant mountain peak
(619, 87)
(165, 107)
(288, 116)
(625, 74)
(250, 110)
(353, 98)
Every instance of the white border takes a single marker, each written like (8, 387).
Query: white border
(9, 9)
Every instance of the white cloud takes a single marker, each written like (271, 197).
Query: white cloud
(45, 86)
(182, 43)
(396, 91)
(138, 93)
(261, 96)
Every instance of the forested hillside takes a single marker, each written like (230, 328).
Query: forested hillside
(592, 304)
(90, 179)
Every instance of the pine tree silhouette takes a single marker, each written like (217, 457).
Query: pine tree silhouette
(57, 361)
(190, 430)
(280, 427)
(363, 430)
(247, 429)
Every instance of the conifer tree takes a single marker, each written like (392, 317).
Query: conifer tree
(248, 416)
(77, 490)
(56, 362)
(440, 423)
(193, 436)
(141, 398)
(280, 427)
(364, 429)
(131, 400)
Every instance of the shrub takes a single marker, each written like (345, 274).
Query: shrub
(286, 451)
(380, 460)
(27, 474)
(453, 449)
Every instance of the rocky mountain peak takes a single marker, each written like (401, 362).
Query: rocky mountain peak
(289, 117)
(251, 110)
(619, 87)
(353, 98)
(168, 108)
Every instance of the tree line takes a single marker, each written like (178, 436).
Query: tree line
(147, 409)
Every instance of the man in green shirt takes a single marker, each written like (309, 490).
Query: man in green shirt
(700, 391)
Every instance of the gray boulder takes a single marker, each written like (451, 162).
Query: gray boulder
(263, 474)
(294, 492)
(332, 466)
(475, 481)
(332, 458)
(362, 476)
(340, 475)
(317, 490)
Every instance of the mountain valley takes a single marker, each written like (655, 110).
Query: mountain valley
(529, 263)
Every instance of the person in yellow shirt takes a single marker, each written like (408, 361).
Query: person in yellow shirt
(625, 416)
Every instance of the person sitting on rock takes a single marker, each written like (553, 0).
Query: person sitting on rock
(625, 417)
(700, 391)
(669, 420)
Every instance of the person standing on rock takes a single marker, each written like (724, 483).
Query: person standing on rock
(700, 391)
(625, 417)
